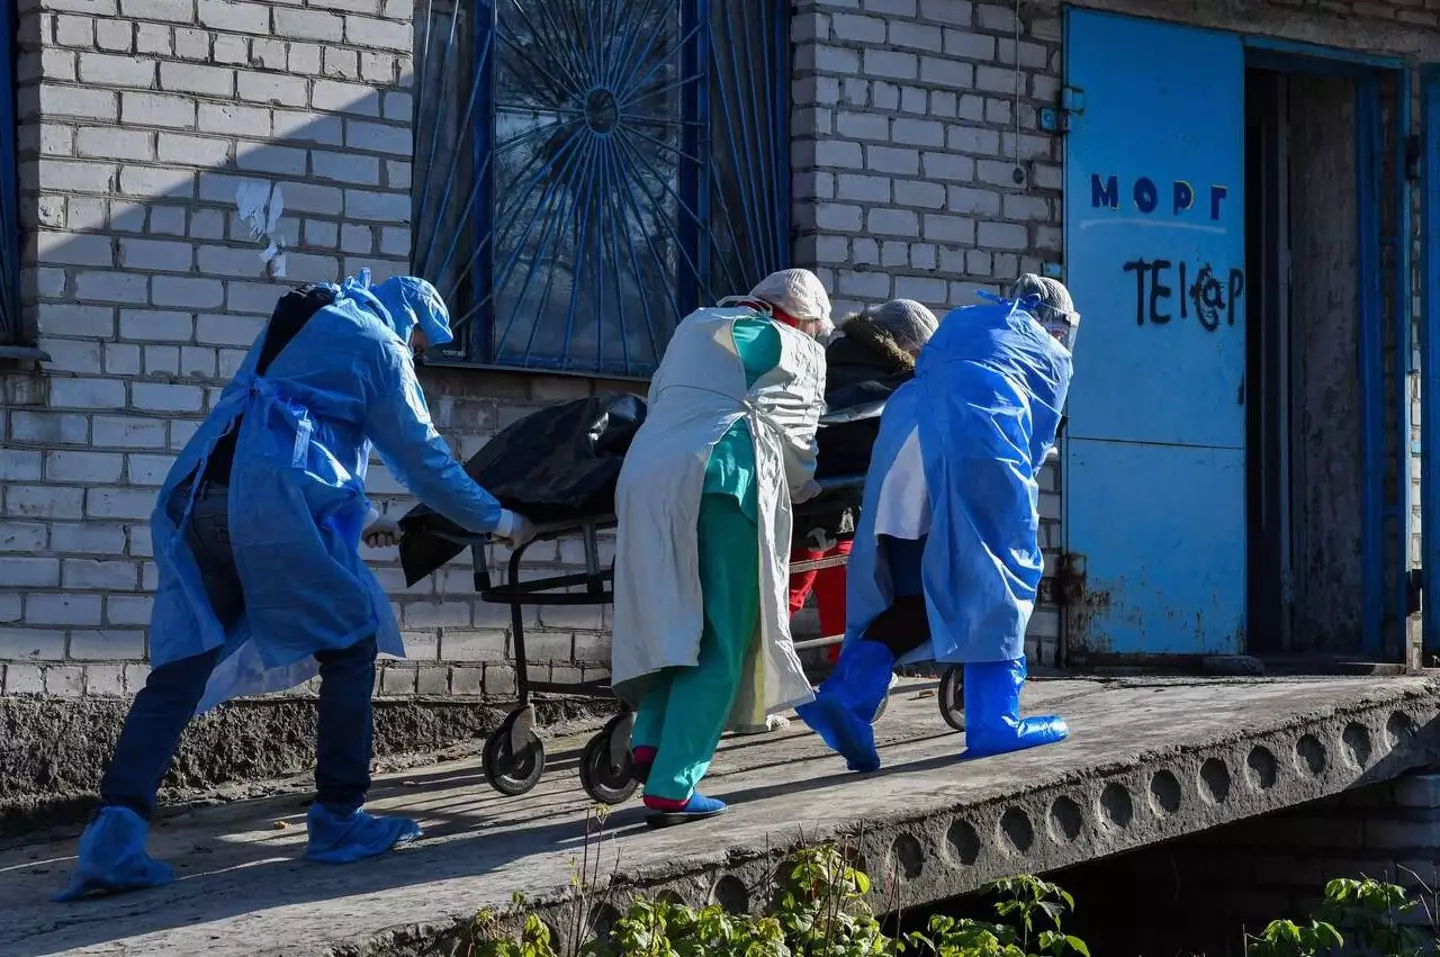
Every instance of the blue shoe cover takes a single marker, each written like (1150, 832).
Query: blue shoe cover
(698, 808)
(113, 858)
(838, 727)
(992, 712)
(845, 705)
(342, 836)
(862, 678)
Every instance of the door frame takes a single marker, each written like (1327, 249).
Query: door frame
(1368, 69)
(1430, 357)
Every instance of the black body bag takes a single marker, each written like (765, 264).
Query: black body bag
(557, 464)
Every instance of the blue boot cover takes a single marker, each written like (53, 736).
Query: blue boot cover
(992, 712)
(845, 705)
(113, 858)
(341, 836)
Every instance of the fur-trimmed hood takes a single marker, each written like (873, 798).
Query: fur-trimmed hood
(879, 342)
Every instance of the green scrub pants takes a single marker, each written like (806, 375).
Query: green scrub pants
(684, 713)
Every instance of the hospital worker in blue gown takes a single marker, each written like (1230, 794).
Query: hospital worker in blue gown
(257, 534)
(701, 624)
(947, 558)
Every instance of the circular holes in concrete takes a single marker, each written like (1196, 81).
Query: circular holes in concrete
(1358, 749)
(1261, 768)
(1066, 820)
(1310, 755)
(731, 895)
(1015, 825)
(1215, 781)
(907, 857)
(1118, 807)
(964, 842)
(1165, 793)
(1399, 729)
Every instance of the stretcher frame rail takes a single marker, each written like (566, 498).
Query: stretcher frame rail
(597, 584)
(514, 755)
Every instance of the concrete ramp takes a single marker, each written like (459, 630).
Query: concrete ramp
(1150, 760)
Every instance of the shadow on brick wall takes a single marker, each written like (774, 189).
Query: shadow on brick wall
(161, 229)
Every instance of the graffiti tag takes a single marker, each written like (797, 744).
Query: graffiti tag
(1212, 300)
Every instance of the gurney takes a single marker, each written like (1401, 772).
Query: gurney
(513, 756)
(560, 470)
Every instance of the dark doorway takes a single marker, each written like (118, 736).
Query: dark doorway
(1305, 461)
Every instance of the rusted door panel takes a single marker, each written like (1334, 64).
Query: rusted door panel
(1156, 580)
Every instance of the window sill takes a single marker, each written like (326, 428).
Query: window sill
(24, 353)
(441, 361)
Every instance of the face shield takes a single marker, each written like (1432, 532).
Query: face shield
(1049, 302)
(1062, 325)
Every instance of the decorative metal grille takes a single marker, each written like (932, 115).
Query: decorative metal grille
(588, 172)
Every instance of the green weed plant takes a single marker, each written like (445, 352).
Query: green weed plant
(820, 907)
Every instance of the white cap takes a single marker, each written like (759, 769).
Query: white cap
(908, 322)
(795, 292)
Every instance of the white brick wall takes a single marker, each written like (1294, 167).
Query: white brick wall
(904, 155)
(141, 123)
(141, 118)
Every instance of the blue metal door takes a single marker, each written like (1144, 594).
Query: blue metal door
(1154, 476)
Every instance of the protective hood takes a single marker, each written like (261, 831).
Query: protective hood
(411, 300)
(404, 302)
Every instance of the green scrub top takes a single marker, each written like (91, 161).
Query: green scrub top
(731, 469)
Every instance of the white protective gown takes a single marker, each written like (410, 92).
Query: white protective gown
(697, 394)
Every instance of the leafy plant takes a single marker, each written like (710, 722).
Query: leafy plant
(1370, 911)
(1285, 938)
(1024, 903)
(1363, 917)
(820, 910)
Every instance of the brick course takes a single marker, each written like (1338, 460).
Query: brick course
(142, 118)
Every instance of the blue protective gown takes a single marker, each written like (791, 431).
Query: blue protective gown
(296, 499)
(986, 400)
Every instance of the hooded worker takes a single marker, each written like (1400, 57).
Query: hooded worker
(256, 537)
(701, 633)
(873, 352)
(947, 558)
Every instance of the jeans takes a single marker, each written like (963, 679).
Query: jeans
(165, 705)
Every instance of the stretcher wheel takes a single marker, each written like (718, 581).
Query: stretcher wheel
(599, 776)
(952, 697)
(510, 770)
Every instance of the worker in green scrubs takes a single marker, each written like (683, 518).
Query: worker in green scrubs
(727, 447)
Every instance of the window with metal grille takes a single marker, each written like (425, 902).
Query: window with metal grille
(14, 337)
(588, 173)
